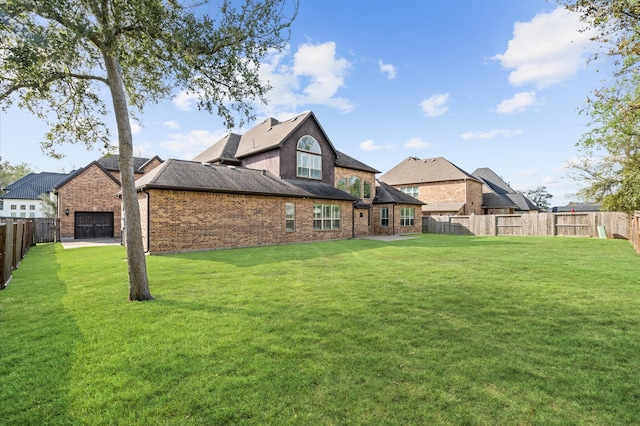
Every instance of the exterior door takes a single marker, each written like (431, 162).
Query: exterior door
(93, 225)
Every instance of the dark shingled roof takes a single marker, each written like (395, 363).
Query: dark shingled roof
(20, 181)
(194, 176)
(223, 151)
(343, 160)
(111, 163)
(32, 186)
(493, 200)
(387, 194)
(503, 194)
(321, 190)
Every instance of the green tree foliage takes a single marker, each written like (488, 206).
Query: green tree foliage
(10, 173)
(49, 207)
(610, 164)
(540, 196)
(57, 57)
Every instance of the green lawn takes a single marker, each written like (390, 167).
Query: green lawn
(433, 330)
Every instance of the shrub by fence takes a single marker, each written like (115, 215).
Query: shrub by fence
(16, 237)
(615, 224)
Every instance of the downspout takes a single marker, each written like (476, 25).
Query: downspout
(148, 221)
(393, 221)
(465, 197)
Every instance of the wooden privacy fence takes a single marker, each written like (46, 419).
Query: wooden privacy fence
(16, 237)
(634, 232)
(591, 224)
(47, 229)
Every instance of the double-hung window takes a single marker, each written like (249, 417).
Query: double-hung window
(384, 216)
(407, 216)
(290, 217)
(326, 217)
(309, 158)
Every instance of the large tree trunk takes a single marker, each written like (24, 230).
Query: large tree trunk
(138, 280)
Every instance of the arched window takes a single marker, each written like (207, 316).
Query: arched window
(309, 158)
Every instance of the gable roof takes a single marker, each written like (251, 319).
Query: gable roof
(265, 136)
(32, 186)
(413, 170)
(194, 176)
(387, 194)
(107, 164)
(503, 194)
(272, 133)
(78, 172)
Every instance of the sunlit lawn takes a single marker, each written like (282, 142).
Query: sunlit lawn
(432, 330)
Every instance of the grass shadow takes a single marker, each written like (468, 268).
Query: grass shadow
(38, 339)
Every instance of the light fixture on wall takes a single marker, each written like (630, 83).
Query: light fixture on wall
(66, 212)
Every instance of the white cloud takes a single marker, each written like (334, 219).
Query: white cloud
(417, 143)
(313, 77)
(172, 124)
(387, 69)
(518, 103)
(369, 145)
(436, 105)
(546, 50)
(188, 145)
(185, 101)
(492, 134)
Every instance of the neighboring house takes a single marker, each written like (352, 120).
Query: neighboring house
(577, 208)
(279, 182)
(444, 188)
(88, 204)
(22, 198)
(499, 197)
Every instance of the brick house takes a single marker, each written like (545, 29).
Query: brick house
(280, 182)
(444, 188)
(88, 204)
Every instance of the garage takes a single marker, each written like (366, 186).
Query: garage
(93, 225)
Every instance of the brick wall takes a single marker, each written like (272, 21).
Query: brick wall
(361, 222)
(474, 198)
(91, 191)
(394, 227)
(442, 192)
(344, 173)
(464, 191)
(186, 221)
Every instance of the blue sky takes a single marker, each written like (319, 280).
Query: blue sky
(483, 83)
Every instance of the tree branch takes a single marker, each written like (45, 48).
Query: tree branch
(53, 77)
